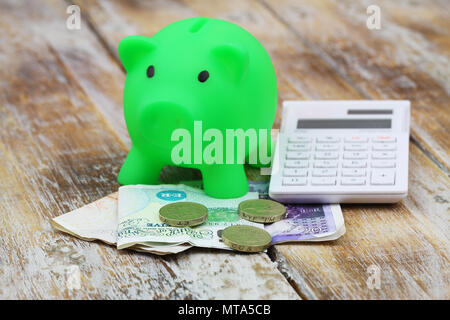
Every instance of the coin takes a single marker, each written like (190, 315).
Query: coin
(183, 214)
(262, 210)
(246, 238)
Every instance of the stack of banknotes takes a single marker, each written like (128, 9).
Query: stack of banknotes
(129, 219)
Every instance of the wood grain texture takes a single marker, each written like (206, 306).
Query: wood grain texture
(408, 58)
(61, 145)
(404, 240)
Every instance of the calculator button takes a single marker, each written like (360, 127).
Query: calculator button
(383, 155)
(325, 164)
(294, 181)
(354, 164)
(299, 139)
(295, 172)
(353, 172)
(355, 155)
(323, 181)
(355, 147)
(358, 139)
(383, 164)
(383, 176)
(326, 155)
(384, 139)
(383, 147)
(327, 147)
(324, 173)
(296, 164)
(328, 139)
(353, 181)
(297, 155)
(298, 147)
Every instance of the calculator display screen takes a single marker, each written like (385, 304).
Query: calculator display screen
(344, 124)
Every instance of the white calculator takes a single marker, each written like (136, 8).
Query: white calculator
(342, 152)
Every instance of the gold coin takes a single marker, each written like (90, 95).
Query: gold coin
(262, 210)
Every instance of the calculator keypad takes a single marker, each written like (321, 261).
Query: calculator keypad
(332, 160)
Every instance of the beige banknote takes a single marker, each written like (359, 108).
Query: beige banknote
(98, 221)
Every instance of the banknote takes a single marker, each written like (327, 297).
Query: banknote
(98, 221)
(139, 222)
(161, 249)
(142, 231)
(308, 223)
(303, 222)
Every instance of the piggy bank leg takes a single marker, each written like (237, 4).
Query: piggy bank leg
(262, 154)
(225, 181)
(138, 169)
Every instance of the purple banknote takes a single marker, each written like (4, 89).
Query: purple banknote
(303, 222)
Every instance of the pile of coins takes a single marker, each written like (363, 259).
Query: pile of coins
(241, 237)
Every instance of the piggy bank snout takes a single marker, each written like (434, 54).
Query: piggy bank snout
(157, 121)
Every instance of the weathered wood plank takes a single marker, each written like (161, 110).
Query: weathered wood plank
(408, 58)
(59, 149)
(404, 240)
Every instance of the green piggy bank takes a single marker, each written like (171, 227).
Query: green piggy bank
(201, 93)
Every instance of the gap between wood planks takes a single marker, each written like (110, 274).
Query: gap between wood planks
(320, 53)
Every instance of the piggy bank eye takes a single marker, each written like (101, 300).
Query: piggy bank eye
(203, 76)
(150, 71)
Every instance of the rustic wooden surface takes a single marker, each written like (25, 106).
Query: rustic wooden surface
(63, 139)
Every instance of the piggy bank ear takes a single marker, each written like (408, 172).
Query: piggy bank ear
(133, 48)
(233, 59)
